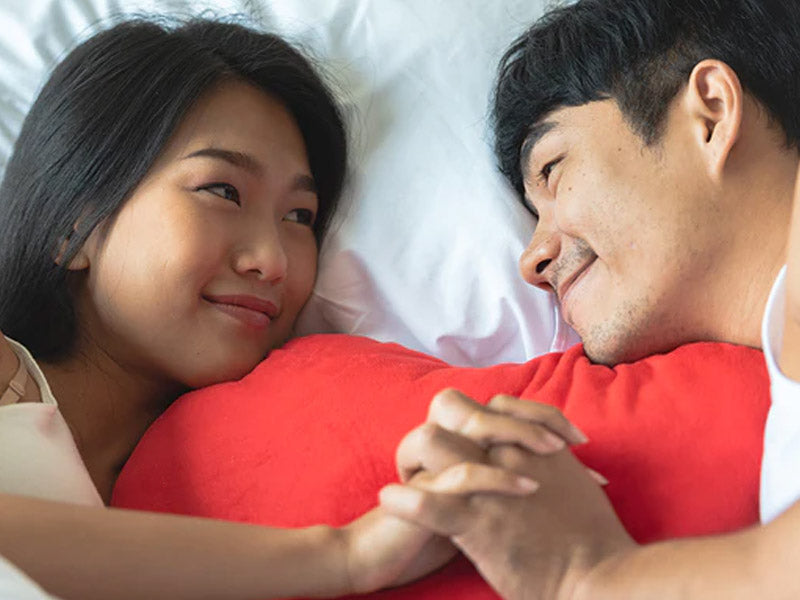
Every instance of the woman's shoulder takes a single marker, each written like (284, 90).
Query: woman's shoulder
(19, 374)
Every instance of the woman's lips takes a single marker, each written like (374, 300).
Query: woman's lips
(250, 310)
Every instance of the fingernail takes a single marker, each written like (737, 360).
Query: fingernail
(597, 477)
(528, 485)
(553, 441)
(580, 437)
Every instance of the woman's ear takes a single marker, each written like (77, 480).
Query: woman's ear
(82, 259)
(715, 101)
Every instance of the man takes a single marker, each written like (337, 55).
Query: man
(657, 142)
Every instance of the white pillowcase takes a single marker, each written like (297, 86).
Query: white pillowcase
(424, 251)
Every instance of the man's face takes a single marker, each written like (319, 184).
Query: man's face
(627, 233)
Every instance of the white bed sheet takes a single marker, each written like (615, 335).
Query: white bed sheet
(424, 251)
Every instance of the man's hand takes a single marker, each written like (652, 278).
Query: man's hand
(458, 429)
(383, 550)
(534, 546)
(790, 354)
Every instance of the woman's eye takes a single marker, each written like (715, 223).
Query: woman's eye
(303, 216)
(223, 190)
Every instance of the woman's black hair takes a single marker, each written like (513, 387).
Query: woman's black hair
(98, 125)
(641, 53)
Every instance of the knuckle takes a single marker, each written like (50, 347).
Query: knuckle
(427, 434)
(442, 401)
(463, 473)
(510, 457)
(475, 423)
(425, 504)
(447, 396)
(502, 402)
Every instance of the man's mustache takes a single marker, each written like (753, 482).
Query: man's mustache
(577, 257)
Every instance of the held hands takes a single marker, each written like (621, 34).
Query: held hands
(383, 550)
(536, 545)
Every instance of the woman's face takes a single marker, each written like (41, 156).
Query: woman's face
(205, 268)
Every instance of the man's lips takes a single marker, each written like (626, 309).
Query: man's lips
(252, 310)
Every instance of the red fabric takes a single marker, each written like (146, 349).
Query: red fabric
(309, 437)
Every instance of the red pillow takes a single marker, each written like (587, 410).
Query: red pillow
(309, 437)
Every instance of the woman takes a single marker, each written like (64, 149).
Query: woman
(159, 222)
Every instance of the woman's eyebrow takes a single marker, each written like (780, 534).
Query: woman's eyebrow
(304, 183)
(301, 183)
(237, 159)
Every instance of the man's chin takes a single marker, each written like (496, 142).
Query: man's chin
(621, 349)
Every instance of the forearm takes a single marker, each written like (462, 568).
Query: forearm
(79, 552)
(761, 562)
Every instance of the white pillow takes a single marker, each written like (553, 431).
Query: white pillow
(424, 251)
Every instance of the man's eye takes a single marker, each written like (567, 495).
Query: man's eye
(544, 174)
(303, 216)
(223, 190)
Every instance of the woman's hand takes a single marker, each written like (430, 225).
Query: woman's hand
(445, 462)
(383, 550)
(790, 353)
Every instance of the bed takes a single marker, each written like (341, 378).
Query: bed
(423, 254)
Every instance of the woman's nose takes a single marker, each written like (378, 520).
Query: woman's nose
(263, 256)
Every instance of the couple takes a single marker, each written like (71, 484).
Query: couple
(657, 143)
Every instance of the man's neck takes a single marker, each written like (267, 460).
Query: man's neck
(750, 259)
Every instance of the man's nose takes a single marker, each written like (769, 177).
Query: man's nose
(536, 262)
(263, 256)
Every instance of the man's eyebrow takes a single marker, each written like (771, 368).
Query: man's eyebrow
(302, 182)
(535, 133)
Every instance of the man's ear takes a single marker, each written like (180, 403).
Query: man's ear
(715, 100)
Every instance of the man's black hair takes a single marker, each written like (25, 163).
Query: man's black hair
(640, 53)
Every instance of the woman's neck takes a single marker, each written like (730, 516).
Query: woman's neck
(108, 407)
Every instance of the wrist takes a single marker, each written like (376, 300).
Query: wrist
(595, 582)
(331, 566)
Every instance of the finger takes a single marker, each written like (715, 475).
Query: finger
(434, 449)
(473, 478)
(517, 460)
(597, 477)
(451, 409)
(490, 428)
(444, 514)
(544, 414)
(455, 411)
